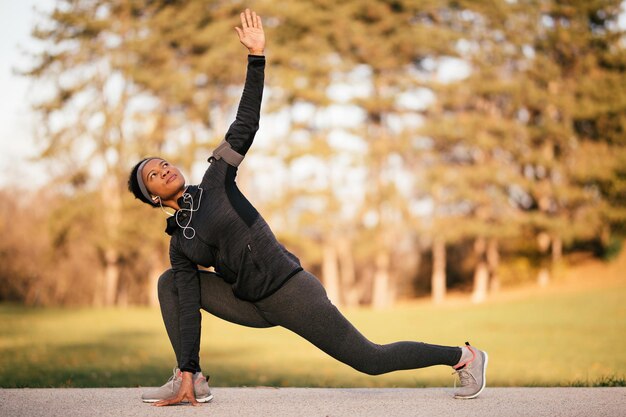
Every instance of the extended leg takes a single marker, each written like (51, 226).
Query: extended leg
(302, 306)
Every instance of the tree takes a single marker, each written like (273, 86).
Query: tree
(388, 38)
(529, 141)
(86, 117)
(470, 139)
(573, 120)
(123, 79)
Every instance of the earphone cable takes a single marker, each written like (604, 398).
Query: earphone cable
(189, 197)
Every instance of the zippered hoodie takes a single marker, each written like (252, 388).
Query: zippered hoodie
(227, 232)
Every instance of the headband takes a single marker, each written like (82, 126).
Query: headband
(142, 186)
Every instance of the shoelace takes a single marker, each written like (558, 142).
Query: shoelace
(174, 375)
(465, 376)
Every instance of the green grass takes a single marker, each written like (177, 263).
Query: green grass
(569, 339)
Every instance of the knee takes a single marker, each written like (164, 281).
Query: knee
(166, 283)
(370, 363)
(370, 369)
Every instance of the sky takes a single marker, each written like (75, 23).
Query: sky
(17, 17)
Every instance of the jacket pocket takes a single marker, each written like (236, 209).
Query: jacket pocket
(224, 270)
(252, 283)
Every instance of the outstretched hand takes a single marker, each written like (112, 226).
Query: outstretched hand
(251, 33)
(185, 393)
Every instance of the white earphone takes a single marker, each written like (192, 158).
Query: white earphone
(157, 198)
(188, 197)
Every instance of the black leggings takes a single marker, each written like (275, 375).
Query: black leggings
(301, 305)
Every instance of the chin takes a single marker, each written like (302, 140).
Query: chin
(177, 184)
(172, 189)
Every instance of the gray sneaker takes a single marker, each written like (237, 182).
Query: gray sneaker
(170, 388)
(472, 374)
(201, 388)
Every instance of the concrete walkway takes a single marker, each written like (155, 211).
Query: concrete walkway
(321, 402)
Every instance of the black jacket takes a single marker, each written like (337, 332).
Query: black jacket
(228, 233)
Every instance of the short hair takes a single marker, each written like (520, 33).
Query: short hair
(133, 185)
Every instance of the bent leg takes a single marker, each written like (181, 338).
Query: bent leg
(216, 297)
(168, 302)
(303, 307)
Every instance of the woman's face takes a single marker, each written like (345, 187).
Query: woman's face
(162, 179)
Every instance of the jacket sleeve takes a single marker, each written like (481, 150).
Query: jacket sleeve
(188, 285)
(241, 133)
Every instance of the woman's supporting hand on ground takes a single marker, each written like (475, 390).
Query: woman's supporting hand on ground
(251, 33)
(185, 393)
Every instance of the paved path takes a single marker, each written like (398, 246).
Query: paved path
(321, 402)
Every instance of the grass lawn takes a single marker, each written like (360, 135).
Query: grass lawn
(552, 338)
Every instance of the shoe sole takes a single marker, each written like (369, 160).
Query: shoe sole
(200, 400)
(486, 359)
(205, 399)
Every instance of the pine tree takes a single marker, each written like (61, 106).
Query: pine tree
(129, 80)
(470, 140)
(574, 122)
(86, 117)
(388, 38)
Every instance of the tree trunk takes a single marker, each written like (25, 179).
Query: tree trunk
(438, 278)
(543, 277)
(557, 249)
(481, 273)
(543, 241)
(112, 219)
(98, 293)
(381, 288)
(111, 276)
(330, 272)
(348, 280)
(493, 260)
(122, 294)
(157, 268)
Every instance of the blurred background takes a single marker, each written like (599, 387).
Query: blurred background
(425, 159)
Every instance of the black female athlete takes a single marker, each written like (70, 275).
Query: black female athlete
(257, 282)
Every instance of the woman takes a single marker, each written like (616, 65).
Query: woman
(258, 282)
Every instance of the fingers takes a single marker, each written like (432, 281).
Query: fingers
(167, 401)
(239, 32)
(250, 19)
(176, 400)
(246, 19)
(171, 400)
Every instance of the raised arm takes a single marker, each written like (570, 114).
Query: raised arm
(241, 133)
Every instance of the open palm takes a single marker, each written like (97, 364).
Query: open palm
(251, 33)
